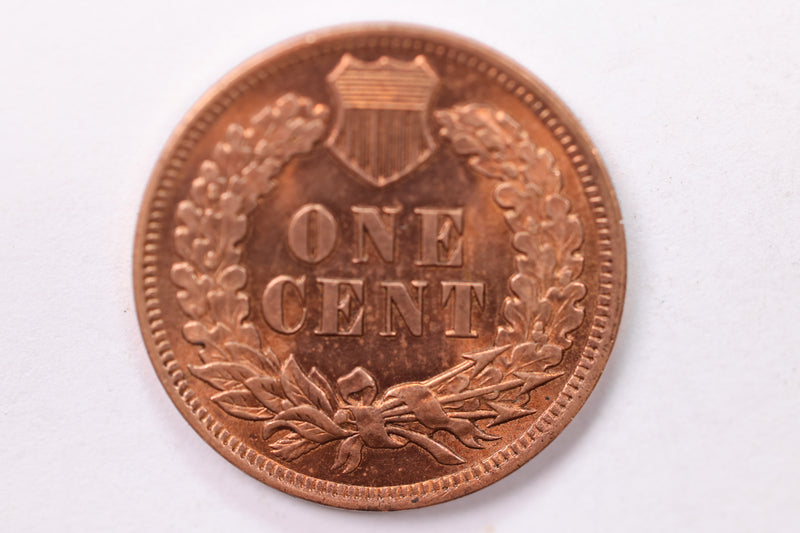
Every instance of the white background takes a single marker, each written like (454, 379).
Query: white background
(694, 107)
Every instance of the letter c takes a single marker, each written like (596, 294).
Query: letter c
(272, 303)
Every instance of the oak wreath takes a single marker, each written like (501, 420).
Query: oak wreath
(300, 409)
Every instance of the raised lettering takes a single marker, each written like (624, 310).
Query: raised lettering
(441, 241)
(312, 233)
(342, 301)
(272, 303)
(463, 292)
(397, 297)
(368, 222)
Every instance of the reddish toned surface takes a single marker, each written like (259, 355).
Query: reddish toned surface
(379, 267)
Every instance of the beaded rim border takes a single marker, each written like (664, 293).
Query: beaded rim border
(513, 79)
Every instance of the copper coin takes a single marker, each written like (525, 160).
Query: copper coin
(379, 267)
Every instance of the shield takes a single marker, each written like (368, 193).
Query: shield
(382, 131)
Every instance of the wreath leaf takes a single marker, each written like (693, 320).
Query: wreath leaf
(241, 404)
(232, 278)
(223, 375)
(440, 452)
(192, 298)
(292, 446)
(324, 385)
(568, 315)
(267, 391)
(306, 430)
(349, 455)
(306, 413)
(300, 389)
(242, 352)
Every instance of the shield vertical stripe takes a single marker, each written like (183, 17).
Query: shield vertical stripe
(382, 131)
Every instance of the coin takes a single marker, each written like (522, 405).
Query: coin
(379, 267)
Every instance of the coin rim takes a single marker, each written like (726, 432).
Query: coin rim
(477, 475)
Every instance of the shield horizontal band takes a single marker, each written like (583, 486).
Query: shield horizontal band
(384, 98)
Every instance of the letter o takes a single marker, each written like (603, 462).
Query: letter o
(312, 233)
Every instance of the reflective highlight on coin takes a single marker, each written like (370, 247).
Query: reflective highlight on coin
(379, 267)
